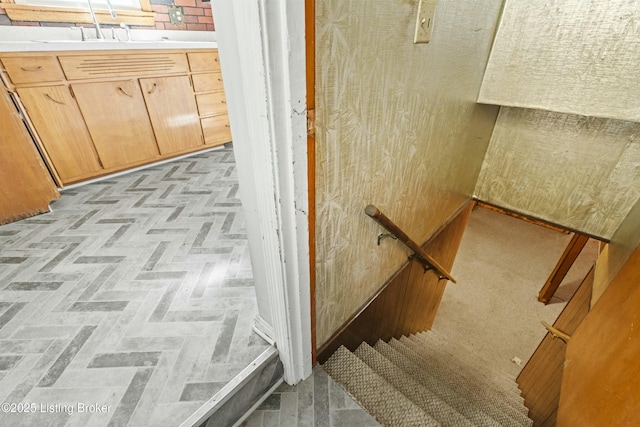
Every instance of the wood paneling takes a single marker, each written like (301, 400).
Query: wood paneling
(61, 128)
(541, 378)
(602, 373)
(522, 217)
(310, 35)
(173, 112)
(409, 301)
(26, 188)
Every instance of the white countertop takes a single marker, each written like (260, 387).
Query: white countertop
(43, 39)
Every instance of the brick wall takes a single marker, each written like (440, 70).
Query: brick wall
(197, 17)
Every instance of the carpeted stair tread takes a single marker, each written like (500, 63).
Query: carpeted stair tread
(483, 393)
(503, 386)
(451, 395)
(467, 355)
(475, 378)
(389, 406)
(426, 380)
(464, 352)
(474, 366)
(407, 385)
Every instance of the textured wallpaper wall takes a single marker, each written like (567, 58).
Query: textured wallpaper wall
(580, 172)
(398, 127)
(572, 56)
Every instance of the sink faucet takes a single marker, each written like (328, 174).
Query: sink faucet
(99, 33)
(127, 30)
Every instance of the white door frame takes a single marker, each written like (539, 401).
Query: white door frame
(262, 52)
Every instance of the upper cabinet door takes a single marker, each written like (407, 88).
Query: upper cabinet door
(61, 128)
(173, 112)
(118, 122)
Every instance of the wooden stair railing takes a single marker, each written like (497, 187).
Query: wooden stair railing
(571, 253)
(420, 255)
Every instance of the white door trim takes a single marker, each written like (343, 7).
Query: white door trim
(262, 53)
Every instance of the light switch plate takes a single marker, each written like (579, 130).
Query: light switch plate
(424, 23)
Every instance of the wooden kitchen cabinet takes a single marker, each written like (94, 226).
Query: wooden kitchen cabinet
(204, 61)
(210, 97)
(62, 130)
(117, 119)
(216, 130)
(33, 69)
(173, 112)
(207, 82)
(93, 113)
(26, 188)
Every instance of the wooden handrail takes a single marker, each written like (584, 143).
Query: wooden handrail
(424, 258)
(556, 333)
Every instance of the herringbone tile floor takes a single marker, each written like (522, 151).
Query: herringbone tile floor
(131, 303)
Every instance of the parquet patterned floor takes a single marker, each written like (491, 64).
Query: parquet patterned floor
(131, 303)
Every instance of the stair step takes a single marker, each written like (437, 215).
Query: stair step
(483, 394)
(412, 389)
(372, 392)
(473, 366)
(507, 392)
(467, 355)
(454, 397)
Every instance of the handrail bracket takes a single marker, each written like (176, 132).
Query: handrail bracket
(383, 236)
(556, 333)
(396, 233)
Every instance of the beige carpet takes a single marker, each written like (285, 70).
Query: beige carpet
(500, 267)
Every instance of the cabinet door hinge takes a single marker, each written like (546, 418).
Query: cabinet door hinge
(311, 123)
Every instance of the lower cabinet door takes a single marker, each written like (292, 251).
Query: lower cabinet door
(173, 112)
(61, 128)
(118, 122)
(27, 187)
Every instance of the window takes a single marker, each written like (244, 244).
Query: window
(132, 12)
(82, 4)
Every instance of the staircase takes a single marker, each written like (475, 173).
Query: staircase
(426, 380)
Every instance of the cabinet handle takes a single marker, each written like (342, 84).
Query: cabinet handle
(31, 69)
(153, 89)
(124, 91)
(54, 100)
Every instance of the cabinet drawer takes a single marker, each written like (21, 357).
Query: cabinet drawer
(216, 130)
(204, 61)
(210, 104)
(123, 65)
(207, 82)
(33, 69)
